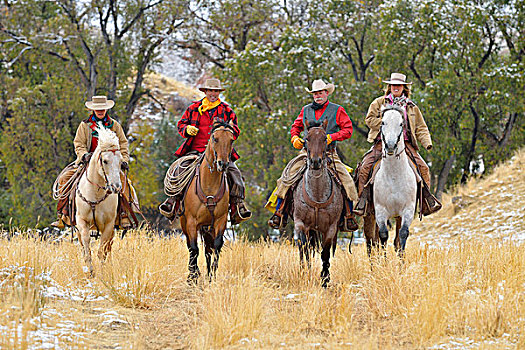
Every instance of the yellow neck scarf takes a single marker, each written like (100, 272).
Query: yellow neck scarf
(207, 105)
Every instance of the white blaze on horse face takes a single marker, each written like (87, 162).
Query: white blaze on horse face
(111, 162)
(392, 130)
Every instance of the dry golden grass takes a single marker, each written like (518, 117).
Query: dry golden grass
(261, 298)
(461, 293)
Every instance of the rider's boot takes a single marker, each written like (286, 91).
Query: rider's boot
(238, 211)
(59, 223)
(348, 222)
(360, 207)
(125, 222)
(169, 207)
(430, 204)
(278, 220)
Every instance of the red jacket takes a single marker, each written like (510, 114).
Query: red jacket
(342, 119)
(192, 117)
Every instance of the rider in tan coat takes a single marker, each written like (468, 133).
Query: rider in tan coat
(397, 92)
(85, 142)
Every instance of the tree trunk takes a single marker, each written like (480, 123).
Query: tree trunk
(443, 175)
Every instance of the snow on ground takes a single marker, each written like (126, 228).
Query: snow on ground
(51, 329)
(490, 208)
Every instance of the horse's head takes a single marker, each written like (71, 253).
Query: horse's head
(108, 159)
(315, 143)
(220, 145)
(392, 125)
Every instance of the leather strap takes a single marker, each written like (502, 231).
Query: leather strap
(317, 205)
(210, 201)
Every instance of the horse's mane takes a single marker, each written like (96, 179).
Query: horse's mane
(221, 123)
(107, 139)
(390, 107)
(315, 124)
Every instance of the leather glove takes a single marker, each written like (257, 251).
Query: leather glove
(328, 139)
(191, 130)
(297, 142)
(124, 166)
(86, 157)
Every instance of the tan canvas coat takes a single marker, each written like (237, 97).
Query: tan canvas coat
(418, 127)
(82, 141)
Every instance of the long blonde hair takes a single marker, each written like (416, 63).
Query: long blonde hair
(406, 89)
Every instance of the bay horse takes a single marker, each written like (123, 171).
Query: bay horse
(96, 197)
(318, 202)
(395, 185)
(207, 200)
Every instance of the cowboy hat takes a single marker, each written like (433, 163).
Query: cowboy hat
(319, 85)
(99, 103)
(397, 79)
(212, 84)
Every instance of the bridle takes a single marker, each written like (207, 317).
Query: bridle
(93, 204)
(397, 141)
(226, 127)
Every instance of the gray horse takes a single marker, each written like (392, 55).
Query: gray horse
(318, 203)
(395, 185)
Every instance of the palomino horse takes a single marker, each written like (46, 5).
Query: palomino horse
(96, 198)
(206, 201)
(318, 202)
(395, 186)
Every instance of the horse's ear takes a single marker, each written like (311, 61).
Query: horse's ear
(325, 124)
(231, 122)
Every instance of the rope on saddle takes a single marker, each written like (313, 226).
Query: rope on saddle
(62, 191)
(288, 179)
(179, 175)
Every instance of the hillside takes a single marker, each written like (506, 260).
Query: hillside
(492, 207)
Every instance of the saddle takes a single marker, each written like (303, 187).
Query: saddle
(127, 205)
(368, 189)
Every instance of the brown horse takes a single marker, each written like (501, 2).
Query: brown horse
(206, 201)
(318, 203)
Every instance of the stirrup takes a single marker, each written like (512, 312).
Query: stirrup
(164, 210)
(275, 221)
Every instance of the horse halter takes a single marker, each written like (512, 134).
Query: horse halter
(398, 137)
(105, 188)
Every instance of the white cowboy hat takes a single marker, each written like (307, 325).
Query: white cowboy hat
(99, 103)
(319, 85)
(397, 79)
(212, 84)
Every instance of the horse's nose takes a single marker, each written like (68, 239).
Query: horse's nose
(222, 165)
(316, 163)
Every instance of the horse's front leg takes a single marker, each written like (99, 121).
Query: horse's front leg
(84, 238)
(382, 221)
(328, 242)
(369, 230)
(302, 241)
(106, 241)
(405, 222)
(190, 230)
(207, 235)
(218, 242)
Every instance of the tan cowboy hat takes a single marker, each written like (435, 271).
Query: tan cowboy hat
(99, 103)
(397, 79)
(212, 84)
(319, 85)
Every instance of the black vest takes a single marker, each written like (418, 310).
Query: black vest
(329, 113)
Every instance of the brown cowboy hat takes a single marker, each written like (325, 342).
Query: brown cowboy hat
(212, 84)
(397, 79)
(319, 85)
(99, 103)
